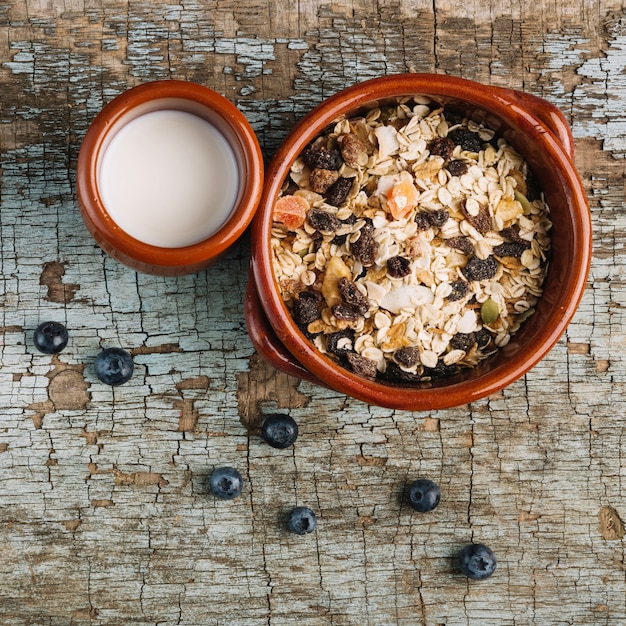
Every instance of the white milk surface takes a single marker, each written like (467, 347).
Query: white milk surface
(169, 178)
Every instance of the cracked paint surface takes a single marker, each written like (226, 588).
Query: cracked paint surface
(105, 512)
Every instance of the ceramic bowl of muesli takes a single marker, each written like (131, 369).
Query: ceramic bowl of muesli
(422, 242)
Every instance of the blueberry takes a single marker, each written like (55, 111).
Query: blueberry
(226, 483)
(424, 495)
(280, 431)
(302, 520)
(114, 366)
(50, 337)
(477, 561)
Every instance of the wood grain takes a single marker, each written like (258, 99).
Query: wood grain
(105, 514)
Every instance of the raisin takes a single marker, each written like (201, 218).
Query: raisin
(305, 308)
(463, 341)
(398, 266)
(483, 338)
(361, 365)
(466, 139)
(441, 146)
(463, 244)
(441, 370)
(340, 343)
(407, 357)
(350, 146)
(457, 167)
(339, 240)
(482, 221)
(533, 190)
(345, 312)
(460, 289)
(317, 239)
(368, 227)
(481, 269)
(513, 248)
(320, 179)
(338, 191)
(512, 233)
(396, 374)
(353, 296)
(322, 220)
(453, 118)
(422, 220)
(323, 158)
(439, 217)
(365, 248)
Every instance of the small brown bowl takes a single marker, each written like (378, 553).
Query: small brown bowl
(169, 95)
(541, 134)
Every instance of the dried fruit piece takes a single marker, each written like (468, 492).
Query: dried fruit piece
(324, 158)
(345, 312)
(481, 220)
(457, 167)
(439, 217)
(320, 179)
(396, 374)
(512, 233)
(441, 146)
(291, 211)
(351, 147)
(463, 341)
(402, 199)
(460, 289)
(306, 308)
(481, 269)
(509, 210)
(338, 191)
(322, 220)
(362, 366)
(422, 220)
(340, 343)
(484, 339)
(407, 357)
(511, 248)
(353, 296)
(335, 270)
(463, 244)
(489, 311)
(365, 248)
(467, 139)
(398, 267)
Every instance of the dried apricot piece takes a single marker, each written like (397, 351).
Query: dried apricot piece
(402, 199)
(291, 211)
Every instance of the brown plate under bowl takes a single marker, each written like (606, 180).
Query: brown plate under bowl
(540, 133)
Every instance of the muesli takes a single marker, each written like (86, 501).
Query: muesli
(410, 242)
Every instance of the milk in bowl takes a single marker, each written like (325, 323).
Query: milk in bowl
(169, 178)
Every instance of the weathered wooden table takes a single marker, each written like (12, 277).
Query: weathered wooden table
(105, 515)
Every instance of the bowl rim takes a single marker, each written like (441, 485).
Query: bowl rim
(138, 254)
(505, 103)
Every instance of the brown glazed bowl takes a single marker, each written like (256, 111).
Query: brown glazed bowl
(168, 95)
(540, 133)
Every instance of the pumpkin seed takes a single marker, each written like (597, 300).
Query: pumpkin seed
(489, 311)
(522, 317)
(523, 200)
